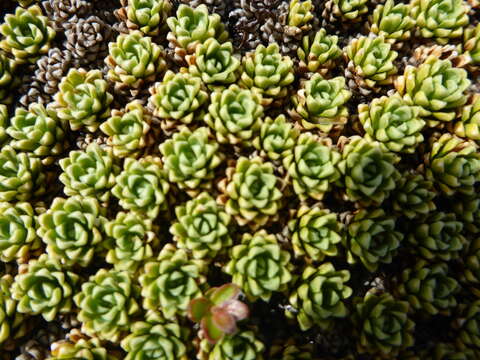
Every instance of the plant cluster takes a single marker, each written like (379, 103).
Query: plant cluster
(223, 180)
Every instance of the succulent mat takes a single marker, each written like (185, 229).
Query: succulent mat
(239, 180)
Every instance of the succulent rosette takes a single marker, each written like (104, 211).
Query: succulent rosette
(267, 72)
(130, 241)
(315, 233)
(193, 26)
(37, 131)
(319, 296)
(179, 97)
(436, 87)
(235, 115)
(259, 266)
(414, 196)
(349, 10)
(372, 238)
(440, 19)
(318, 53)
(18, 238)
(383, 324)
(312, 166)
(368, 171)
(72, 229)
(83, 99)
(21, 176)
(171, 281)
(142, 186)
(438, 237)
(468, 124)
(370, 62)
(242, 345)
(393, 122)
(26, 34)
(321, 103)
(392, 21)
(134, 61)
(453, 164)
(214, 62)
(250, 192)
(471, 44)
(128, 130)
(148, 16)
(428, 288)
(202, 227)
(277, 137)
(155, 339)
(89, 172)
(80, 348)
(190, 159)
(44, 287)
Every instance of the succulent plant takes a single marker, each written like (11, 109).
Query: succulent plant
(250, 192)
(453, 164)
(155, 339)
(268, 72)
(148, 16)
(242, 345)
(277, 137)
(10, 320)
(172, 281)
(319, 296)
(300, 15)
(178, 97)
(191, 27)
(81, 348)
(468, 125)
(428, 288)
(43, 287)
(4, 122)
(190, 159)
(370, 62)
(383, 324)
(235, 115)
(440, 19)
(72, 229)
(368, 171)
(26, 33)
(372, 238)
(392, 21)
(393, 122)
(414, 196)
(202, 227)
(7, 78)
(142, 186)
(128, 130)
(21, 176)
(83, 99)
(131, 238)
(312, 166)
(347, 10)
(259, 266)
(466, 209)
(290, 351)
(315, 233)
(218, 312)
(18, 238)
(436, 87)
(471, 44)
(438, 237)
(214, 62)
(134, 61)
(320, 103)
(89, 172)
(318, 53)
(37, 131)
(470, 277)
(107, 304)
(468, 336)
